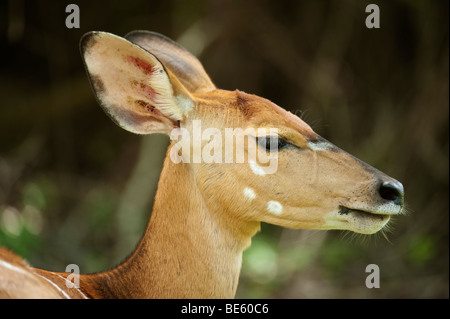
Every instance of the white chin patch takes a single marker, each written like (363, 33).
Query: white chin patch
(363, 223)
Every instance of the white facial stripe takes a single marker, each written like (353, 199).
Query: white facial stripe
(257, 170)
(274, 207)
(319, 146)
(249, 193)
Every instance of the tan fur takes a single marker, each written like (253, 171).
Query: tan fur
(202, 221)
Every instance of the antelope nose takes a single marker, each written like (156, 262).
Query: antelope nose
(392, 191)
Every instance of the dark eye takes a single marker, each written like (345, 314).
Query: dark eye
(271, 143)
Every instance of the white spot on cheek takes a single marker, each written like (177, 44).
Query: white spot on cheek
(249, 193)
(274, 207)
(320, 146)
(258, 170)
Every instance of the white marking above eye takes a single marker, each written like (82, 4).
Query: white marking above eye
(319, 146)
(257, 170)
(274, 207)
(249, 193)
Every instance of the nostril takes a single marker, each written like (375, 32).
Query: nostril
(392, 192)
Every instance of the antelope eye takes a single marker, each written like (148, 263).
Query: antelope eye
(271, 143)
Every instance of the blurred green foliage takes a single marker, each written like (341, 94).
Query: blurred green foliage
(75, 188)
(423, 248)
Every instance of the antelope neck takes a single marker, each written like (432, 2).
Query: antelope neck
(187, 251)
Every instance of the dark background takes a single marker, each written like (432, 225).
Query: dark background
(75, 188)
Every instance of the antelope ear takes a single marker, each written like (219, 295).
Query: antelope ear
(132, 86)
(188, 69)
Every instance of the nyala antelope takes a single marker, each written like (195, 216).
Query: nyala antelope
(205, 214)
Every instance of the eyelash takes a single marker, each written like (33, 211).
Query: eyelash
(272, 143)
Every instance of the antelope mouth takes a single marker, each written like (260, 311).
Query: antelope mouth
(361, 221)
(363, 213)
